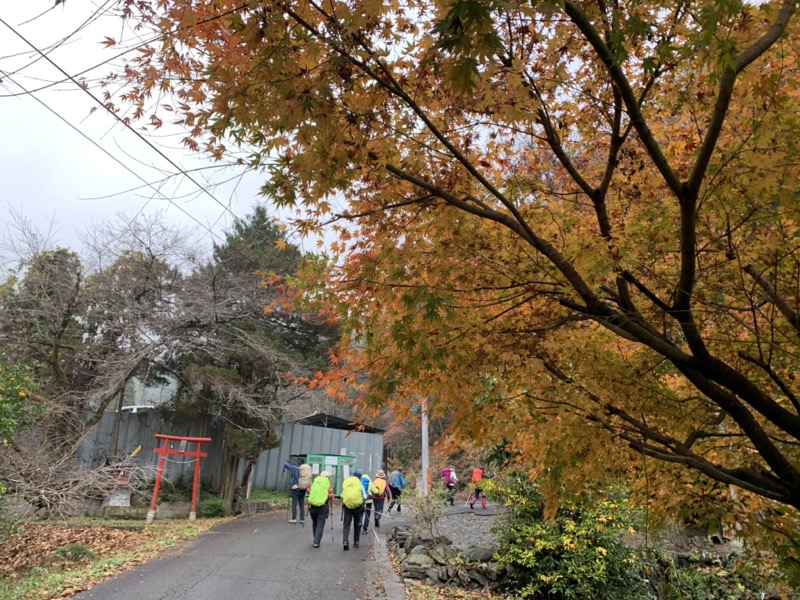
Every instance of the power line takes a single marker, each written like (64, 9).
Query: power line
(178, 168)
(119, 162)
(143, 43)
(119, 120)
(94, 16)
(86, 70)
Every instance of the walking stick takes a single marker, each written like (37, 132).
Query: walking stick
(330, 512)
(289, 502)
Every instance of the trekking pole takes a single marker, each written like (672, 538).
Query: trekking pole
(288, 502)
(330, 511)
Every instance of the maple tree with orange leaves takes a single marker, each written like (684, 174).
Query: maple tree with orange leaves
(572, 226)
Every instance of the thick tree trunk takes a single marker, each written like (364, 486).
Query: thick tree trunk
(229, 478)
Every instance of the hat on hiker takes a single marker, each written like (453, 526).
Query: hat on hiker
(357, 473)
(324, 474)
(380, 474)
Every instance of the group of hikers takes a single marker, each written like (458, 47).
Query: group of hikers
(363, 499)
(450, 481)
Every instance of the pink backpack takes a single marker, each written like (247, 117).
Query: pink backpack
(446, 476)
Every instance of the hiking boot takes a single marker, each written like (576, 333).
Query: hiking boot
(355, 544)
(363, 531)
(472, 506)
(316, 545)
(292, 520)
(346, 547)
(377, 523)
(398, 509)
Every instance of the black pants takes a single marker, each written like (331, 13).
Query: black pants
(395, 498)
(319, 514)
(354, 516)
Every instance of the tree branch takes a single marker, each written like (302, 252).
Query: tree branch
(792, 315)
(626, 92)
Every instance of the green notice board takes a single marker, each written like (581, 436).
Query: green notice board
(339, 468)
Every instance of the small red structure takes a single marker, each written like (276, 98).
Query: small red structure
(181, 450)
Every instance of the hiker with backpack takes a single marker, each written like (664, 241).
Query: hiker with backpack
(300, 482)
(365, 483)
(397, 483)
(449, 479)
(380, 492)
(477, 475)
(319, 498)
(353, 497)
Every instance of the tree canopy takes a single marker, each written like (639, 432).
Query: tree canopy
(572, 225)
(75, 335)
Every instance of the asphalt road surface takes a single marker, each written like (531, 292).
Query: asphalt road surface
(261, 557)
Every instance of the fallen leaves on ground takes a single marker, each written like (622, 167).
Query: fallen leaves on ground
(418, 591)
(84, 554)
(35, 544)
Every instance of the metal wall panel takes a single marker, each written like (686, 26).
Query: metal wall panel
(367, 448)
(140, 428)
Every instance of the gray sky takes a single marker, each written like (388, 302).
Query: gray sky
(51, 174)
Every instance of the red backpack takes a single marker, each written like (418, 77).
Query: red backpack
(477, 475)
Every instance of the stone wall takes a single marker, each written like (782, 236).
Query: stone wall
(437, 561)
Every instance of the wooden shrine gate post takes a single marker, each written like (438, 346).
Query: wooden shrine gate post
(164, 450)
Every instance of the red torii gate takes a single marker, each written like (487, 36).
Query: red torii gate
(164, 451)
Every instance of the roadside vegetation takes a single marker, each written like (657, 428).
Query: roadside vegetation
(596, 545)
(49, 560)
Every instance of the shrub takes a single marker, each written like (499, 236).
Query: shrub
(739, 579)
(73, 553)
(577, 554)
(211, 507)
(426, 511)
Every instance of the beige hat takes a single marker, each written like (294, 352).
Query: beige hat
(380, 474)
(324, 474)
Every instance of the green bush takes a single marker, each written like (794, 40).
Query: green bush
(576, 555)
(73, 553)
(211, 507)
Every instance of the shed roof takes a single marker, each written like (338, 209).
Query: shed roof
(332, 422)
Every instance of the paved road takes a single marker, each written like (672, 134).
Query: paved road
(262, 557)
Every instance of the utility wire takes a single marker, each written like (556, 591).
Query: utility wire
(178, 168)
(157, 191)
(120, 120)
(95, 15)
(143, 43)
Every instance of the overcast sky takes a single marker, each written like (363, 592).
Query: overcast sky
(51, 174)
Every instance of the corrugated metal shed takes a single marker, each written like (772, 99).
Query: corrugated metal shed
(326, 434)
(299, 438)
